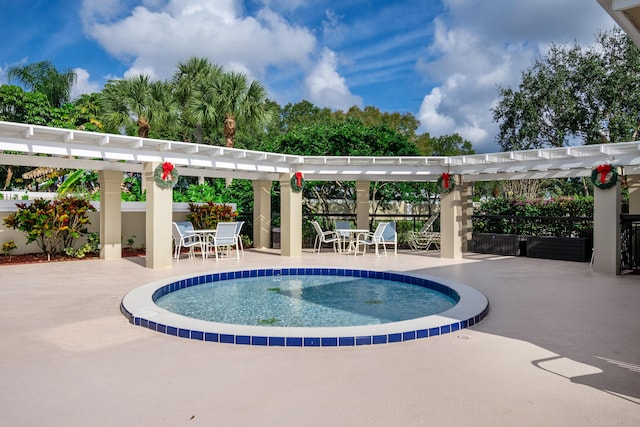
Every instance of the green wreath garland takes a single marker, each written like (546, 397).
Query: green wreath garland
(297, 181)
(165, 175)
(604, 176)
(446, 182)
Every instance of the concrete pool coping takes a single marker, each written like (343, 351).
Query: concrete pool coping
(139, 307)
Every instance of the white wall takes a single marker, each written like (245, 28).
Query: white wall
(133, 224)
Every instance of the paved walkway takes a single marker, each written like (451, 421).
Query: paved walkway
(560, 346)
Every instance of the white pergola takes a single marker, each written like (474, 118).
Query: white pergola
(111, 155)
(32, 145)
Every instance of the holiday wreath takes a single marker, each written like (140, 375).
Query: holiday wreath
(446, 182)
(165, 175)
(297, 181)
(604, 176)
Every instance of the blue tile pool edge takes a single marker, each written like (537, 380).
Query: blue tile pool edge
(144, 318)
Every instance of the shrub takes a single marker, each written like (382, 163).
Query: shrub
(207, 215)
(54, 225)
(538, 217)
(7, 247)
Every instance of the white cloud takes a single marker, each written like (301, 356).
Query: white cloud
(83, 84)
(429, 117)
(479, 46)
(327, 88)
(158, 38)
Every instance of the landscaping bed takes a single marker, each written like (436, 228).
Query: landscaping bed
(36, 258)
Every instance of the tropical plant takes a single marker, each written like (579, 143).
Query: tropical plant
(207, 215)
(240, 104)
(137, 103)
(190, 90)
(53, 225)
(7, 247)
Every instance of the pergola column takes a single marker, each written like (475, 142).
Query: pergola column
(466, 195)
(290, 218)
(606, 229)
(110, 214)
(362, 204)
(261, 213)
(159, 216)
(451, 223)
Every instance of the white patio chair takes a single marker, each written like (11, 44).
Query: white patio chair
(239, 245)
(184, 236)
(369, 239)
(324, 237)
(224, 239)
(390, 236)
(426, 236)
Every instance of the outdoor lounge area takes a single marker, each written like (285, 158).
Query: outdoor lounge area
(558, 347)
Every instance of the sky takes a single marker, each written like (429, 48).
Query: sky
(441, 60)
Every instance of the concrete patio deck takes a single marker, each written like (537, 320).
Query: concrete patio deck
(560, 346)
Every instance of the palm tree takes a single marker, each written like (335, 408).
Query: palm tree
(44, 78)
(139, 102)
(241, 103)
(189, 84)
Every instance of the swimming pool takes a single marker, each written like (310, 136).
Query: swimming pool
(141, 309)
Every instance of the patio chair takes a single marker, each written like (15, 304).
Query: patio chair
(224, 239)
(426, 236)
(184, 236)
(324, 237)
(390, 236)
(369, 239)
(239, 245)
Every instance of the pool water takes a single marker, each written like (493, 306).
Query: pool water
(305, 301)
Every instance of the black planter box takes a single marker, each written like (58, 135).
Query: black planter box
(497, 244)
(560, 248)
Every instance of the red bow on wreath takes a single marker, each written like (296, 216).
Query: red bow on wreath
(445, 180)
(298, 176)
(166, 170)
(603, 170)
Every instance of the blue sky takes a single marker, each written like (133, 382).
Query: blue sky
(441, 60)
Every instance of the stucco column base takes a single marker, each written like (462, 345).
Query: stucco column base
(362, 204)
(110, 214)
(466, 194)
(451, 223)
(159, 216)
(290, 218)
(261, 214)
(606, 229)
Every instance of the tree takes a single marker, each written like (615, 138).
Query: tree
(405, 124)
(241, 104)
(345, 138)
(574, 93)
(192, 94)
(19, 106)
(450, 145)
(43, 77)
(138, 103)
